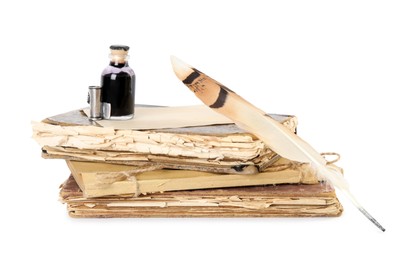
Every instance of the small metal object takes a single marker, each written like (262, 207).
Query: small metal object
(93, 99)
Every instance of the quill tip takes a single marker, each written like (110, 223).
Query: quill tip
(362, 210)
(371, 218)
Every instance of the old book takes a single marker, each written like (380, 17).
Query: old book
(142, 160)
(218, 147)
(287, 200)
(103, 179)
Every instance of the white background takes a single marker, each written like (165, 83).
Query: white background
(348, 70)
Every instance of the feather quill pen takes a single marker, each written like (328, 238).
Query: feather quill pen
(248, 117)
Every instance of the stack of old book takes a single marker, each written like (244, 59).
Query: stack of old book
(177, 162)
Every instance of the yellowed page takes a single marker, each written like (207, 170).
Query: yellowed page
(167, 117)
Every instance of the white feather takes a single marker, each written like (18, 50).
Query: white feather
(279, 138)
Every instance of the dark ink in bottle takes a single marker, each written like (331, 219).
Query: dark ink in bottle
(118, 86)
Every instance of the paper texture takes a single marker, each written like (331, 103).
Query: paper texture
(316, 200)
(222, 148)
(167, 117)
(103, 179)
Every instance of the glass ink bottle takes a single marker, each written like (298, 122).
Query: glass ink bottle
(118, 86)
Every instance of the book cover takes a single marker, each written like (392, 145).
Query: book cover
(287, 200)
(103, 179)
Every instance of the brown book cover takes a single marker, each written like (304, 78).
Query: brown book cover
(287, 200)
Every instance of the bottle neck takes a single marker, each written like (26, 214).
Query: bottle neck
(118, 60)
(118, 64)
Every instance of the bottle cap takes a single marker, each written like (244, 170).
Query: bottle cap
(119, 47)
(119, 53)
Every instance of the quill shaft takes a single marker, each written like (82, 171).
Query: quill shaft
(252, 119)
